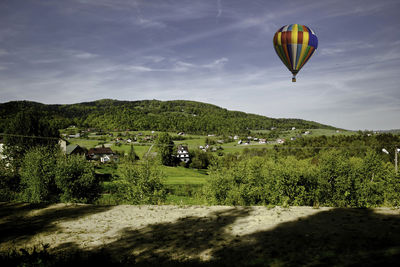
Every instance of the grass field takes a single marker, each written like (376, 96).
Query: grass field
(181, 175)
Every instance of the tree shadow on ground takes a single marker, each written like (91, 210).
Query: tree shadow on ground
(358, 237)
(337, 237)
(21, 221)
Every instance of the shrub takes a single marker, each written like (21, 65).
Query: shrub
(9, 182)
(37, 175)
(141, 183)
(76, 179)
(332, 179)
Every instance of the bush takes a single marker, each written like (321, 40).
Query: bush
(49, 176)
(37, 176)
(332, 179)
(141, 183)
(76, 179)
(9, 182)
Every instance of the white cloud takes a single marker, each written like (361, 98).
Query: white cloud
(83, 55)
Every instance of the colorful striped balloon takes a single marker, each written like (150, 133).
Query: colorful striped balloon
(295, 44)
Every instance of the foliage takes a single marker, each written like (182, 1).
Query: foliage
(26, 130)
(333, 178)
(200, 159)
(352, 145)
(38, 173)
(48, 176)
(75, 178)
(132, 156)
(166, 151)
(141, 183)
(171, 116)
(9, 182)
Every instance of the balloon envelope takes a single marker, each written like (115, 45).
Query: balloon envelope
(295, 44)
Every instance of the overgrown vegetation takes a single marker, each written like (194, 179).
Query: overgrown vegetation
(140, 183)
(330, 178)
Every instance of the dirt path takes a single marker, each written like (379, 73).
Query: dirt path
(208, 234)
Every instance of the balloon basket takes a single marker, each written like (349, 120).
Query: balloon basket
(293, 79)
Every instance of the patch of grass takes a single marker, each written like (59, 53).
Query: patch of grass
(84, 142)
(181, 175)
(140, 150)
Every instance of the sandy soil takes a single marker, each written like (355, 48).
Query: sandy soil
(206, 233)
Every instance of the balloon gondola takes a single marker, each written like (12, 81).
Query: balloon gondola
(295, 44)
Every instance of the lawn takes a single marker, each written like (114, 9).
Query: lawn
(140, 150)
(87, 143)
(181, 176)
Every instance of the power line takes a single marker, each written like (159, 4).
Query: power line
(30, 136)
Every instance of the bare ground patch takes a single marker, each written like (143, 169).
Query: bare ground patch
(207, 235)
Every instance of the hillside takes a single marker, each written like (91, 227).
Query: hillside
(177, 115)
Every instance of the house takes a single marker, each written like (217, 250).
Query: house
(104, 154)
(183, 153)
(75, 150)
(280, 141)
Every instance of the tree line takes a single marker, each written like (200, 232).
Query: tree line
(168, 116)
(329, 178)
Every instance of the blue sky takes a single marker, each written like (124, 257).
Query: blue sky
(213, 51)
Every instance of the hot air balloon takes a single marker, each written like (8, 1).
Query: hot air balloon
(295, 44)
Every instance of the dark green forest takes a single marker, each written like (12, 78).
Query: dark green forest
(170, 116)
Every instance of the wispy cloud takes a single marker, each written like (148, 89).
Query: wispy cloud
(3, 52)
(212, 51)
(219, 8)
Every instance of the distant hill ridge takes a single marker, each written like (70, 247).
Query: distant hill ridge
(176, 115)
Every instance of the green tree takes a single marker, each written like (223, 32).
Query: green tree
(141, 183)
(200, 159)
(28, 129)
(37, 176)
(9, 182)
(165, 147)
(75, 178)
(132, 156)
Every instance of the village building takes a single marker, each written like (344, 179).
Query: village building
(183, 153)
(104, 154)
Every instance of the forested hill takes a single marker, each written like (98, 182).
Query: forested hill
(178, 115)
